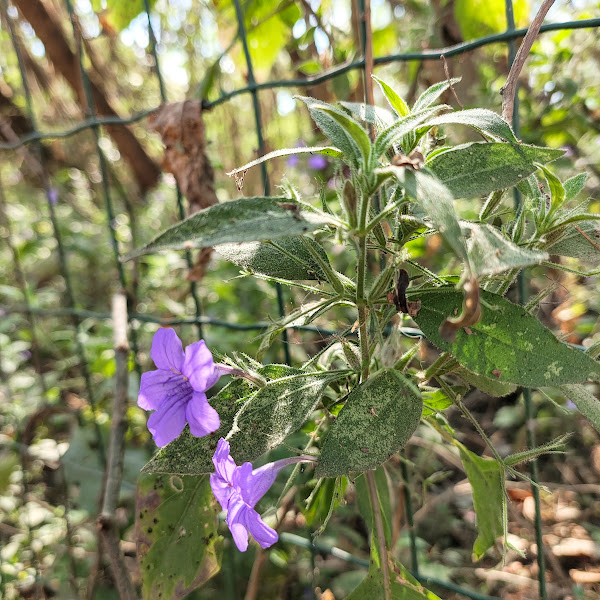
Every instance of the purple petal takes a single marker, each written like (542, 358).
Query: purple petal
(168, 421)
(221, 489)
(261, 532)
(155, 386)
(199, 367)
(167, 351)
(236, 521)
(254, 484)
(317, 162)
(224, 464)
(201, 416)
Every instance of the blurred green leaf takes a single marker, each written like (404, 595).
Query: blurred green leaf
(118, 14)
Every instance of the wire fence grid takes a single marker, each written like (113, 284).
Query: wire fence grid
(95, 122)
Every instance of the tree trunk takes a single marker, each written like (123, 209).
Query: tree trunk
(50, 32)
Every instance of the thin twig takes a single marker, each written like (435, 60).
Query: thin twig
(107, 525)
(369, 64)
(447, 72)
(510, 87)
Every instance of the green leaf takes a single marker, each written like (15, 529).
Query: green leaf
(341, 129)
(378, 418)
(489, 385)
(395, 132)
(437, 202)
(393, 98)
(436, 400)
(486, 476)
(176, 535)
(491, 253)
(574, 243)
(255, 421)
(380, 117)
(586, 402)
(507, 343)
(287, 259)
(574, 185)
(557, 191)
(482, 119)
(480, 168)
(324, 150)
(119, 13)
(431, 94)
(243, 220)
(365, 505)
(403, 586)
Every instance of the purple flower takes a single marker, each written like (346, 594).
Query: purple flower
(238, 489)
(317, 162)
(293, 160)
(176, 391)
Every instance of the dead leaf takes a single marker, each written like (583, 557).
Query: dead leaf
(181, 128)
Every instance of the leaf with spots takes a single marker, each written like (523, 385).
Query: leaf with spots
(176, 535)
(254, 421)
(242, 220)
(507, 343)
(480, 168)
(379, 417)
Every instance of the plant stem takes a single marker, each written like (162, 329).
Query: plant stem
(370, 476)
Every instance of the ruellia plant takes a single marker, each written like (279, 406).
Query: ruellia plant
(361, 398)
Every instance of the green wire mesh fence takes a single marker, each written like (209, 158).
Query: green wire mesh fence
(95, 122)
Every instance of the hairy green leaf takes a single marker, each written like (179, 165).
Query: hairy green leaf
(581, 240)
(431, 94)
(176, 535)
(397, 130)
(491, 253)
(403, 586)
(503, 342)
(341, 129)
(324, 150)
(365, 504)
(587, 403)
(486, 476)
(489, 385)
(286, 258)
(574, 185)
(482, 119)
(380, 117)
(393, 98)
(378, 418)
(243, 220)
(480, 168)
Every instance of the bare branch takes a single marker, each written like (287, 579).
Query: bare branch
(510, 87)
(107, 526)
